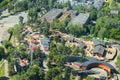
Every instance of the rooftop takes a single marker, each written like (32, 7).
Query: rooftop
(99, 49)
(45, 42)
(98, 3)
(80, 19)
(53, 13)
(114, 11)
(98, 42)
(93, 60)
(82, 45)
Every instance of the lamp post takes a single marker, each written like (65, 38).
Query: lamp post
(31, 54)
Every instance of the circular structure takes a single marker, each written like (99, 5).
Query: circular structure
(92, 63)
(102, 72)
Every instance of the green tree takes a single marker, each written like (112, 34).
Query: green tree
(2, 52)
(33, 73)
(21, 20)
(90, 78)
(32, 15)
(93, 14)
(118, 60)
(6, 44)
(52, 73)
(50, 3)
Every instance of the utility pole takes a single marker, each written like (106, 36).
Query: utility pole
(15, 45)
(31, 53)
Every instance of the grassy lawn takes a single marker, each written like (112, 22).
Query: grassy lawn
(2, 70)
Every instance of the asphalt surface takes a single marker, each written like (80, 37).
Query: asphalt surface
(10, 21)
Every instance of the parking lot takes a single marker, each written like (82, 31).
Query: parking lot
(10, 21)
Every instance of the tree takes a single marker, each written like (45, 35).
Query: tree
(21, 20)
(32, 15)
(11, 30)
(75, 51)
(0, 13)
(59, 77)
(90, 78)
(6, 44)
(33, 73)
(93, 14)
(2, 52)
(118, 1)
(52, 73)
(118, 60)
(50, 3)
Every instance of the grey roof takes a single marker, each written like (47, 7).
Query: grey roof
(93, 60)
(80, 19)
(114, 11)
(53, 13)
(72, 12)
(5, 36)
(99, 49)
(70, 38)
(98, 42)
(98, 3)
(82, 45)
(45, 42)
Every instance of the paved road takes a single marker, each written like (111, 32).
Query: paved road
(10, 21)
(6, 68)
(6, 75)
(45, 65)
(102, 72)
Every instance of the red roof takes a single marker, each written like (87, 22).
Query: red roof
(33, 40)
(35, 47)
(46, 48)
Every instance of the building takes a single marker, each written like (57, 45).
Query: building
(70, 39)
(98, 3)
(45, 43)
(99, 42)
(23, 63)
(81, 19)
(96, 63)
(91, 63)
(82, 45)
(99, 51)
(52, 15)
(114, 12)
(68, 13)
(63, 1)
(72, 13)
(72, 2)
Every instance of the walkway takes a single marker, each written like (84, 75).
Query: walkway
(6, 68)
(45, 65)
(6, 75)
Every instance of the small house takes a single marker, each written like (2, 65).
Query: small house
(45, 42)
(99, 51)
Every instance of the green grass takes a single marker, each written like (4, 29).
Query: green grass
(2, 70)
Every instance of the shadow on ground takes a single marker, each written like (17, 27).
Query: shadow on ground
(4, 78)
